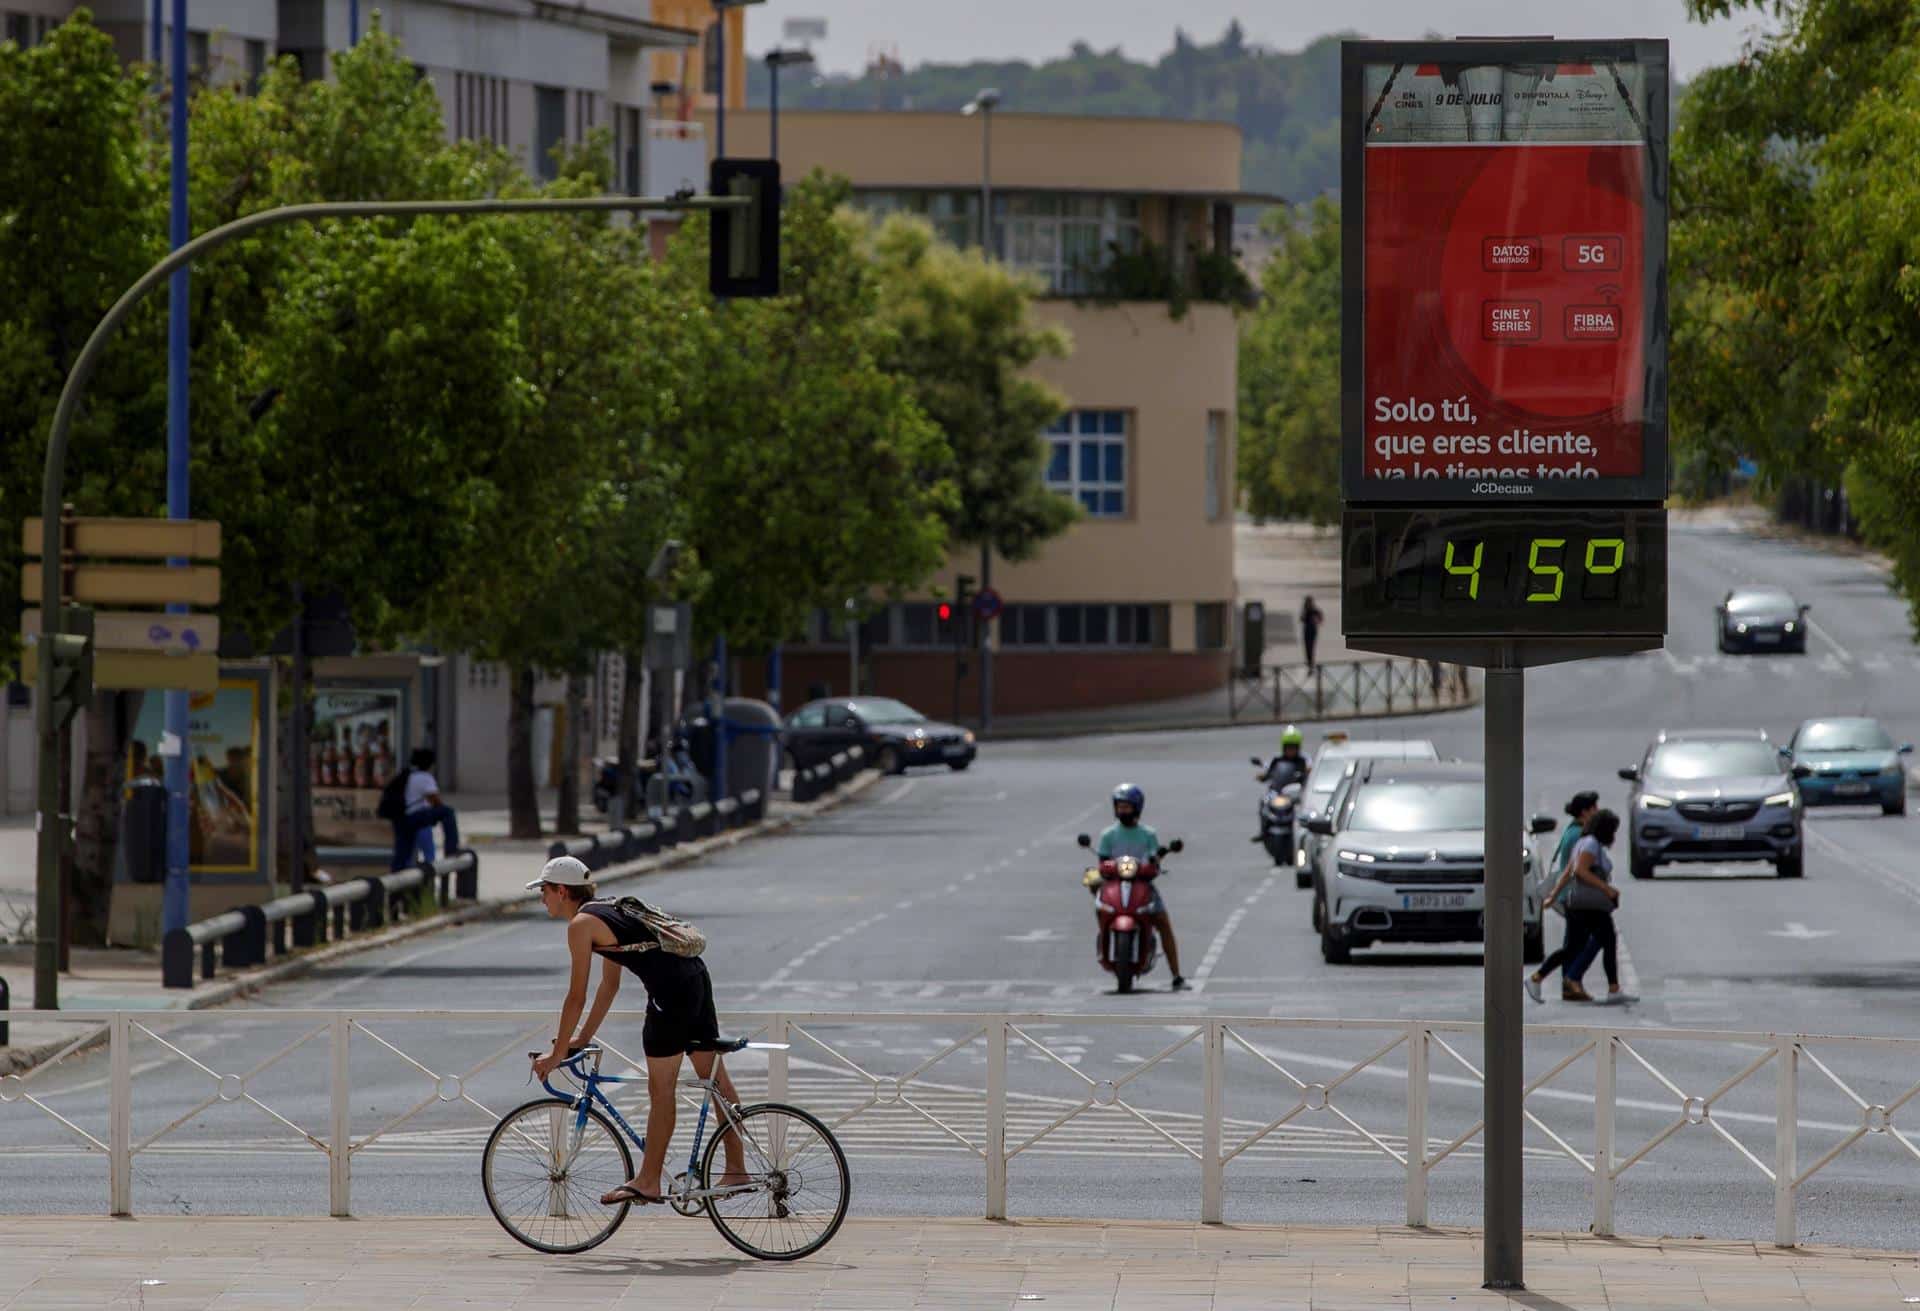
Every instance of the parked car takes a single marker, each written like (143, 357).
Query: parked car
(1329, 762)
(1707, 795)
(1405, 859)
(1761, 619)
(1852, 762)
(894, 735)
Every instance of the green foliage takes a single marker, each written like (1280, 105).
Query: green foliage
(962, 335)
(1289, 443)
(1286, 104)
(1150, 273)
(1796, 235)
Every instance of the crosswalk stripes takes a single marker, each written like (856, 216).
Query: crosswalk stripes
(1719, 665)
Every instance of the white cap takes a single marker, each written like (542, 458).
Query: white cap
(567, 871)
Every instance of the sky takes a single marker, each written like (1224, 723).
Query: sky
(940, 31)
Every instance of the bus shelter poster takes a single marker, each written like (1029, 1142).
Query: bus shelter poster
(225, 770)
(1512, 244)
(356, 744)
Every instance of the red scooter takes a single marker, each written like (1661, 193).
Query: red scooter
(1122, 889)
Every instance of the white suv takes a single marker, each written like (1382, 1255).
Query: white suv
(1329, 763)
(1405, 859)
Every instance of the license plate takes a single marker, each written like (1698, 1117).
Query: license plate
(1852, 789)
(1434, 900)
(1712, 832)
(954, 750)
(1764, 638)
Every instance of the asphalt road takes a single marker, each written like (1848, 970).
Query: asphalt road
(948, 893)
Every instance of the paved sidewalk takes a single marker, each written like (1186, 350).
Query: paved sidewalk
(892, 1265)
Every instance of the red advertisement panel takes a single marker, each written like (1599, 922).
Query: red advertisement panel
(1504, 335)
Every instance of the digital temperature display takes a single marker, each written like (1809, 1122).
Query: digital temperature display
(1587, 572)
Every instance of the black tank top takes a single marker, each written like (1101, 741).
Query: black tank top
(639, 949)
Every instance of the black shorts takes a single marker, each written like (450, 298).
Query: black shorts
(680, 1014)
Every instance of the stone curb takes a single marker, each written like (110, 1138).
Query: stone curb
(20, 1059)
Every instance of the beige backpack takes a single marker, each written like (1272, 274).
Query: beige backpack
(677, 937)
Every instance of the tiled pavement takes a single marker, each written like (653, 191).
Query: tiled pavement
(883, 1265)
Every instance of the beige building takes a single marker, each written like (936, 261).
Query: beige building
(1133, 602)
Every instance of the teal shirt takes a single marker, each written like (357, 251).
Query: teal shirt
(1570, 835)
(1119, 840)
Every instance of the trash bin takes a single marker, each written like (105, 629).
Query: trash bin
(143, 830)
(753, 745)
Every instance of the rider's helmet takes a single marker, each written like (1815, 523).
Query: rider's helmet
(1290, 736)
(1129, 794)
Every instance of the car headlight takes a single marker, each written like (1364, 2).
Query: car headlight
(1648, 801)
(967, 736)
(1355, 870)
(1779, 799)
(1789, 625)
(1363, 856)
(1739, 628)
(1893, 769)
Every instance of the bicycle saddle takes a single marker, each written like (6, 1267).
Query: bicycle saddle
(717, 1044)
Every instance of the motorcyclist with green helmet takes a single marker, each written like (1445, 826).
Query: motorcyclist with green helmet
(1289, 766)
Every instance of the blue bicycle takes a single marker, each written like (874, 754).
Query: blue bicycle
(547, 1163)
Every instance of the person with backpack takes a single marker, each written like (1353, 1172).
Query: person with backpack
(411, 802)
(628, 934)
(1580, 810)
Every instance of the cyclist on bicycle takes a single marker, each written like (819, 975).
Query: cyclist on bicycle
(680, 1013)
(1129, 837)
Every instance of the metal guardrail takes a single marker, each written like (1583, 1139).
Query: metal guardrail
(1331, 690)
(702, 819)
(244, 934)
(985, 1121)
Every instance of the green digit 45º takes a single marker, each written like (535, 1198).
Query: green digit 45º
(1553, 571)
(1469, 571)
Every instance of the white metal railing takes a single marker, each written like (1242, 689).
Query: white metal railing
(996, 1123)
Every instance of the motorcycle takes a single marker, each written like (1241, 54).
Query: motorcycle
(1122, 888)
(1275, 818)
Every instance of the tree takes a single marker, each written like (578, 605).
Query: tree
(961, 332)
(787, 422)
(1289, 452)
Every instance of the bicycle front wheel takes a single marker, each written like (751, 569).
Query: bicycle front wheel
(796, 1184)
(543, 1170)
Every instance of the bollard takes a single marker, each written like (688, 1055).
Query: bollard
(6, 1002)
(466, 884)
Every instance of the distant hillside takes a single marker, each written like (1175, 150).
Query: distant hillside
(1286, 105)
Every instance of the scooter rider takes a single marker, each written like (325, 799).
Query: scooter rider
(1289, 766)
(1129, 837)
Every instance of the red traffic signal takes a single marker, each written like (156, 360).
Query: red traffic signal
(945, 612)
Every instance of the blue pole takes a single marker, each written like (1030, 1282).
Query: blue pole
(353, 22)
(158, 25)
(174, 901)
(773, 677)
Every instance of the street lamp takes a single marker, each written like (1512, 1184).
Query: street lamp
(720, 8)
(983, 104)
(777, 60)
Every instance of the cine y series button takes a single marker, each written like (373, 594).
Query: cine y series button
(1511, 254)
(1592, 323)
(1510, 320)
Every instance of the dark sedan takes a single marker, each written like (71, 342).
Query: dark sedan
(893, 734)
(1761, 619)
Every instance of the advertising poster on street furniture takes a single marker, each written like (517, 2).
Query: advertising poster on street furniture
(226, 751)
(357, 743)
(1505, 246)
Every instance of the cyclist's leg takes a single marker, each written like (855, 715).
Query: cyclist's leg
(707, 1064)
(663, 1074)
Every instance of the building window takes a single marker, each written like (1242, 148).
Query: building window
(1087, 460)
(197, 55)
(1210, 625)
(627, 131)
(256, 65)
(28, 30)
(1084, 626)
(954, 215)
(1023, 625)
(550, 129)
(1064, 239)
(311, 63)
(1217, 478)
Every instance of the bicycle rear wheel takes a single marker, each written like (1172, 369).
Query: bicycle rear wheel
(798, 1183)
(544, 1169)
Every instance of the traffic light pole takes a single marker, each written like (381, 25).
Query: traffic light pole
(49, 824)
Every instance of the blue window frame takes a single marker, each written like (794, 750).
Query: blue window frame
(1088, 460)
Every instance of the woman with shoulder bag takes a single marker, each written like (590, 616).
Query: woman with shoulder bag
(1594, 900)
(1580, 809)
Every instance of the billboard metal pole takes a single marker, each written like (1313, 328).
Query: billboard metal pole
(1504, 1055)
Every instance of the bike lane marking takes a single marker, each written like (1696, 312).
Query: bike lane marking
(1218, 946)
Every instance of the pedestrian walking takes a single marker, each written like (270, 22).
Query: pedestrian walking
(1580, 811)
(1310, 620)
(1593, 900)
(421, 808)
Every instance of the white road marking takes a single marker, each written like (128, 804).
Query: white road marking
(460, 940)
(1218, 946)
(1036, 935)
(1829, 639)
(898, 792)
(1795, 929)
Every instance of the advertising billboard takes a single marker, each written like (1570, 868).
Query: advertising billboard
(226, 750)
(1504, 246)
(358, 741)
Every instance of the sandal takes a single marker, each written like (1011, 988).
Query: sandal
(627, 1193)
(1574, 992)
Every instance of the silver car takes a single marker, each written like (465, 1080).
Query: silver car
(1714, 796)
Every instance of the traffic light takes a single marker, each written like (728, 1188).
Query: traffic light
(945, 611)
(66, 658)
(744, 255)
(963, 608)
